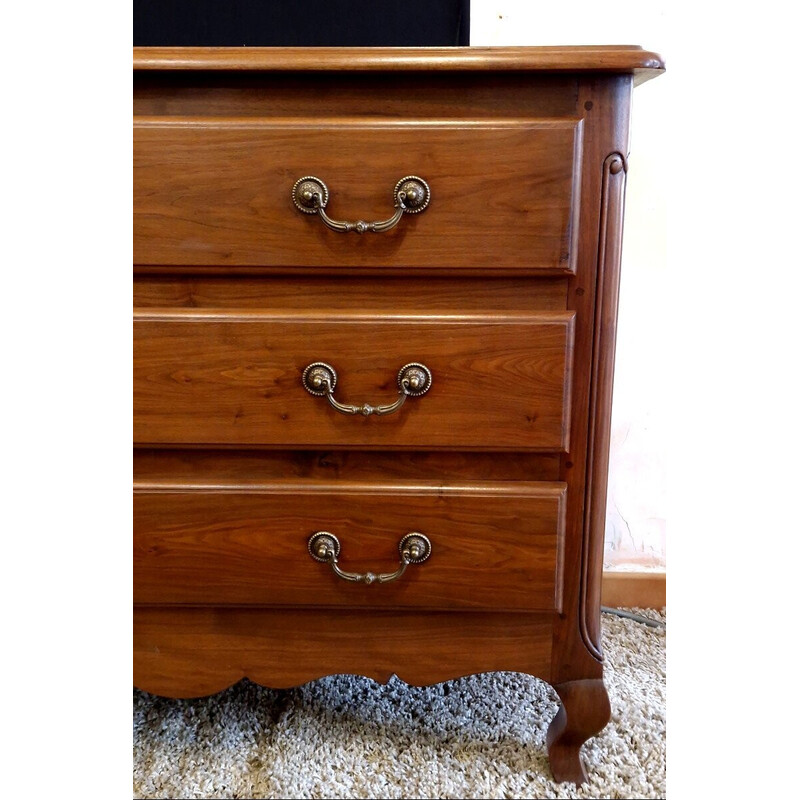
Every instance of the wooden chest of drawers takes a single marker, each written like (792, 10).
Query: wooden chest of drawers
(375, 300)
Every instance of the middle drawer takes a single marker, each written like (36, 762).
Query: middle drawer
(235, 377)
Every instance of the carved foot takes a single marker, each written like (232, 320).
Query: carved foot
(584, 712)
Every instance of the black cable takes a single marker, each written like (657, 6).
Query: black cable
(620, 612)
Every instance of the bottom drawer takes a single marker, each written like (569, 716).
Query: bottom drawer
(493, 546)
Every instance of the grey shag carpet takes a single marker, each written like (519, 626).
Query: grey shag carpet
(349, 737)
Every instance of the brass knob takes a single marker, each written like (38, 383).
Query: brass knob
(310, 194)
(324, 546)
(319, 378)
(414, 379)
(412, 193)
(415, 547)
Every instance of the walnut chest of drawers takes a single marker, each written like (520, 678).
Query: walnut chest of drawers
(374, 314)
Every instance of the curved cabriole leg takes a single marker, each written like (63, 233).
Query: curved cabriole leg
(584, 712)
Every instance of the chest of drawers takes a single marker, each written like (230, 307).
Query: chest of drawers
(374, 314)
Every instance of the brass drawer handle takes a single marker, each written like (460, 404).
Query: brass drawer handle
(411, 196)
(413, 380)
(414, 548)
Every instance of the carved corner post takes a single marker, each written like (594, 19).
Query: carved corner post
(593, 293)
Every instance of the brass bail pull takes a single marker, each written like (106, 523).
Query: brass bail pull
(411, 196)
(414, 548)
(413, 380)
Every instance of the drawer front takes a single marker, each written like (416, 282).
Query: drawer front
(210, 192)
(493, 546)
(235, 378)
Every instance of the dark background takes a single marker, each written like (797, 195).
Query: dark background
(310, 23)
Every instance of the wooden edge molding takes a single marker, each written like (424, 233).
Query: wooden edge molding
(634, 589)
(612, 58)
(615, 168)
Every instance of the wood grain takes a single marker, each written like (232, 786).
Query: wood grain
(577, 652)
(494, 546)
(345, 294)
(198, 466)
(615, 167)
(592, 58)
(218, 192)
(189, 652)
(235, 379)
(585, 711)
(506, 287)
(402, 95)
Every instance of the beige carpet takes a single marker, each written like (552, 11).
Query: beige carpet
(348, 737)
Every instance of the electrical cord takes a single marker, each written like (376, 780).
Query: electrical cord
(620, 612)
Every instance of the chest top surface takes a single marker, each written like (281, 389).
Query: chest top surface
(630, 59)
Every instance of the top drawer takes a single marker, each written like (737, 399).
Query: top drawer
(218, 193)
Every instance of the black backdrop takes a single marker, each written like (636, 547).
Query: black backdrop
(311, 23)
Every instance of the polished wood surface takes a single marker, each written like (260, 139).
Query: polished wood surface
(246, 467)
(189, 652)
(577, 649)
(207, 377)
(592, 58)
(399, 95)
(494, 546)
(511, 303)
(584, 712)
(437, 296)
(218, 192)
(615, 167)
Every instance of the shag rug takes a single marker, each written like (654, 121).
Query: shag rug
(349, 737)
